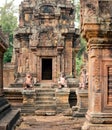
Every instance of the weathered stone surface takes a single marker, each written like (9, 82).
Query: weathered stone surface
(14, 96)
(82, 103)
(45, 101)
(62, 99)
(29, 97)
(58, 122)
(97, 31)
(8, 74)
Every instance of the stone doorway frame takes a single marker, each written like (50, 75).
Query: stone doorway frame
(45, 57)
(51, 67)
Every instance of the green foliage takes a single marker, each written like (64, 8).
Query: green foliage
(79, 63)
(83, 47)
(8, 54)
(8, 22)
(79, 60)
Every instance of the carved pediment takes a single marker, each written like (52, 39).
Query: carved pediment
(47, 9)
(105, 8)
(47, 37)
(44, 37)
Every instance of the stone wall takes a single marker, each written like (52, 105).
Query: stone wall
(8, 74)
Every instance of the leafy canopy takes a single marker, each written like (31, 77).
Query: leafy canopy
(8, 22)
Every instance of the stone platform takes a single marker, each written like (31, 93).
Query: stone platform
(43, 100)
(58, 122)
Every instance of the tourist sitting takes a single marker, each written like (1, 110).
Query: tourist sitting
(62, 82)
(28, 83)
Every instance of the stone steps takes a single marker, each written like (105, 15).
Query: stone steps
(5, 107)
(8, 117)
(45, 98)
(45, 101)
(8, 122)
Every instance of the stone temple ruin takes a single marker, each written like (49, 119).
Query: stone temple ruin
(44, 40)
(45, 44)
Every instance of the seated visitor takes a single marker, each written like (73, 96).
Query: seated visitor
(28, 83)
(62, 82)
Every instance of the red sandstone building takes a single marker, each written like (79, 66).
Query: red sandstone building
(45, 40)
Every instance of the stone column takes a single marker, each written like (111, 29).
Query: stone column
(58, 64)
(62, 62)
(98, 34)
(1, 73)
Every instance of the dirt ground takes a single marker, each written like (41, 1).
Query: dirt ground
(58, 122)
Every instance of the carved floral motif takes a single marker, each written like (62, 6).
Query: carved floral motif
(95, 62)
(105, 8)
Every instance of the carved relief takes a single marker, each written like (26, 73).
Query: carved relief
(107, 53)
(34, 40)
(105, 9)
(89, 10)
(109, 91)
(95, 61)
(47, 37)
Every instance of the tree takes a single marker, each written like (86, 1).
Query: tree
(8, 23)
(79, 61)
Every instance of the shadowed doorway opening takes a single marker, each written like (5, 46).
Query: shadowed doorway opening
(46, 69)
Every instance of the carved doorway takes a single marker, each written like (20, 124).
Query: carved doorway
(47, 69)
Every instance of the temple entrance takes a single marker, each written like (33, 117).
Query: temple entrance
(46, 69)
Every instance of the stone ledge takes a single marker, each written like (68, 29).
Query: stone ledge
(89, 126)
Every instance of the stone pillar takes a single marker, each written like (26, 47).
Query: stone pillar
(58, 64)
(96, 30)
(1, 73)
(62, 63)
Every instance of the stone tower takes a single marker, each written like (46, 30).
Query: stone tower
(44, 40)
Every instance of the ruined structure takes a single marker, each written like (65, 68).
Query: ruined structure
(45, 44)
(44, 40)
(96, 28)
(8, 117)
